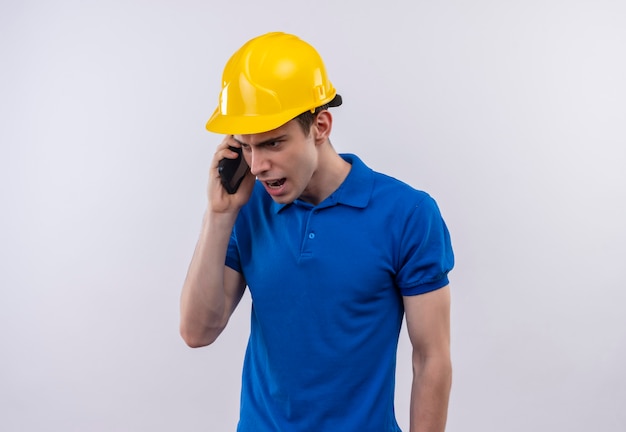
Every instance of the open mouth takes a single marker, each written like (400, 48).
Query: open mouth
(275, 184)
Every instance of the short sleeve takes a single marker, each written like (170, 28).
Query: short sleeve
(426, 254)
(232, 253)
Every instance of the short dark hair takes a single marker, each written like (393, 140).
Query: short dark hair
(307, 118)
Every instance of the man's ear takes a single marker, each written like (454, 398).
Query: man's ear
(322, 125)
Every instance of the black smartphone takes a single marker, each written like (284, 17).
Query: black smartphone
(232, 171)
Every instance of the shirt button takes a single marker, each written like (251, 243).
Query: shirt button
(311, 236)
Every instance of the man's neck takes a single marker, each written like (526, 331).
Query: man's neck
(331, 172)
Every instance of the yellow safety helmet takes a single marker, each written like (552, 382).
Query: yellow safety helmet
(270, 80)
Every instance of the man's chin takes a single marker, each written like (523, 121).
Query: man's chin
(282, 199)
(279, 194)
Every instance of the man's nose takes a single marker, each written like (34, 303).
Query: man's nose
(258, 162)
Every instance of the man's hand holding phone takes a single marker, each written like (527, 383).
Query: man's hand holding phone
(231, 185)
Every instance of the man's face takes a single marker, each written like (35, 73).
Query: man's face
(284, 160)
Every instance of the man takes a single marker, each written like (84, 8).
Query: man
(334, 255)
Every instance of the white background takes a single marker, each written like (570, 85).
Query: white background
(510, 113)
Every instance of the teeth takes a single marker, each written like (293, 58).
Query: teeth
(276, 183)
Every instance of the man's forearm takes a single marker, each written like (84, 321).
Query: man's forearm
(430, 393)
(203, 301)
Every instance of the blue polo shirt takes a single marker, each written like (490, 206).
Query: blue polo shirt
(326, 283)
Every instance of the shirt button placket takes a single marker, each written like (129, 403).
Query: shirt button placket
(310, 234)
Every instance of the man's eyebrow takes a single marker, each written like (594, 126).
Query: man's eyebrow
(262, 143)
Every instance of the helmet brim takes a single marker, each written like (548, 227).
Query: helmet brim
(243, 125)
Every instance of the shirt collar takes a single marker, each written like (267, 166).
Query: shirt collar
(355, 191)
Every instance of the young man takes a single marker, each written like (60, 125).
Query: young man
(333, 253)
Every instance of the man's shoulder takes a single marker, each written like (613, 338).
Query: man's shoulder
(389, 188)
(384, 187)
